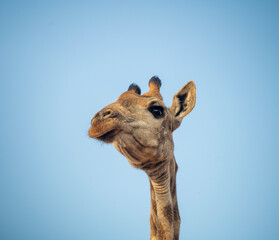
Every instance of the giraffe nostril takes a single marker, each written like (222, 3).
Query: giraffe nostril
(107, 113)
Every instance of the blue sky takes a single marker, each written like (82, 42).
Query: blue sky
(62, 61)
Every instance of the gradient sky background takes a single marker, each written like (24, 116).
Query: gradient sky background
(62, 61)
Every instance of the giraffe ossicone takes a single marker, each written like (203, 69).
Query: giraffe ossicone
(140, 127)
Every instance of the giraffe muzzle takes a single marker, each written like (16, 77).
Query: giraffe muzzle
(104, 126)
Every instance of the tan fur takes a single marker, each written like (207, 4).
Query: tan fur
(147, 143)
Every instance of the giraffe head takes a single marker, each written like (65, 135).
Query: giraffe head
(141, 126)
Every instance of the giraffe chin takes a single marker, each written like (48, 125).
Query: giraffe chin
(109, 136)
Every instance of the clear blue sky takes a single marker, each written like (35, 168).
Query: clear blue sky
(62, 61)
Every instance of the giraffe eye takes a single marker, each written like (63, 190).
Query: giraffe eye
(157, 111)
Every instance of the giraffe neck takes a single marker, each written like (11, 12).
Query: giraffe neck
(164, 216)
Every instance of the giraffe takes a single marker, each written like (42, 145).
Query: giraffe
(140, 127)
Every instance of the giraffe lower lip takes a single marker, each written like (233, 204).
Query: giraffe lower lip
(109, 136)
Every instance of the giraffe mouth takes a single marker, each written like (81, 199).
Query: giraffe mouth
(109, 136)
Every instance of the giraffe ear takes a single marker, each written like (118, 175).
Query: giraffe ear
(183, 103)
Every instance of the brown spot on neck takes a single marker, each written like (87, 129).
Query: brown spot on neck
(168, 213)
